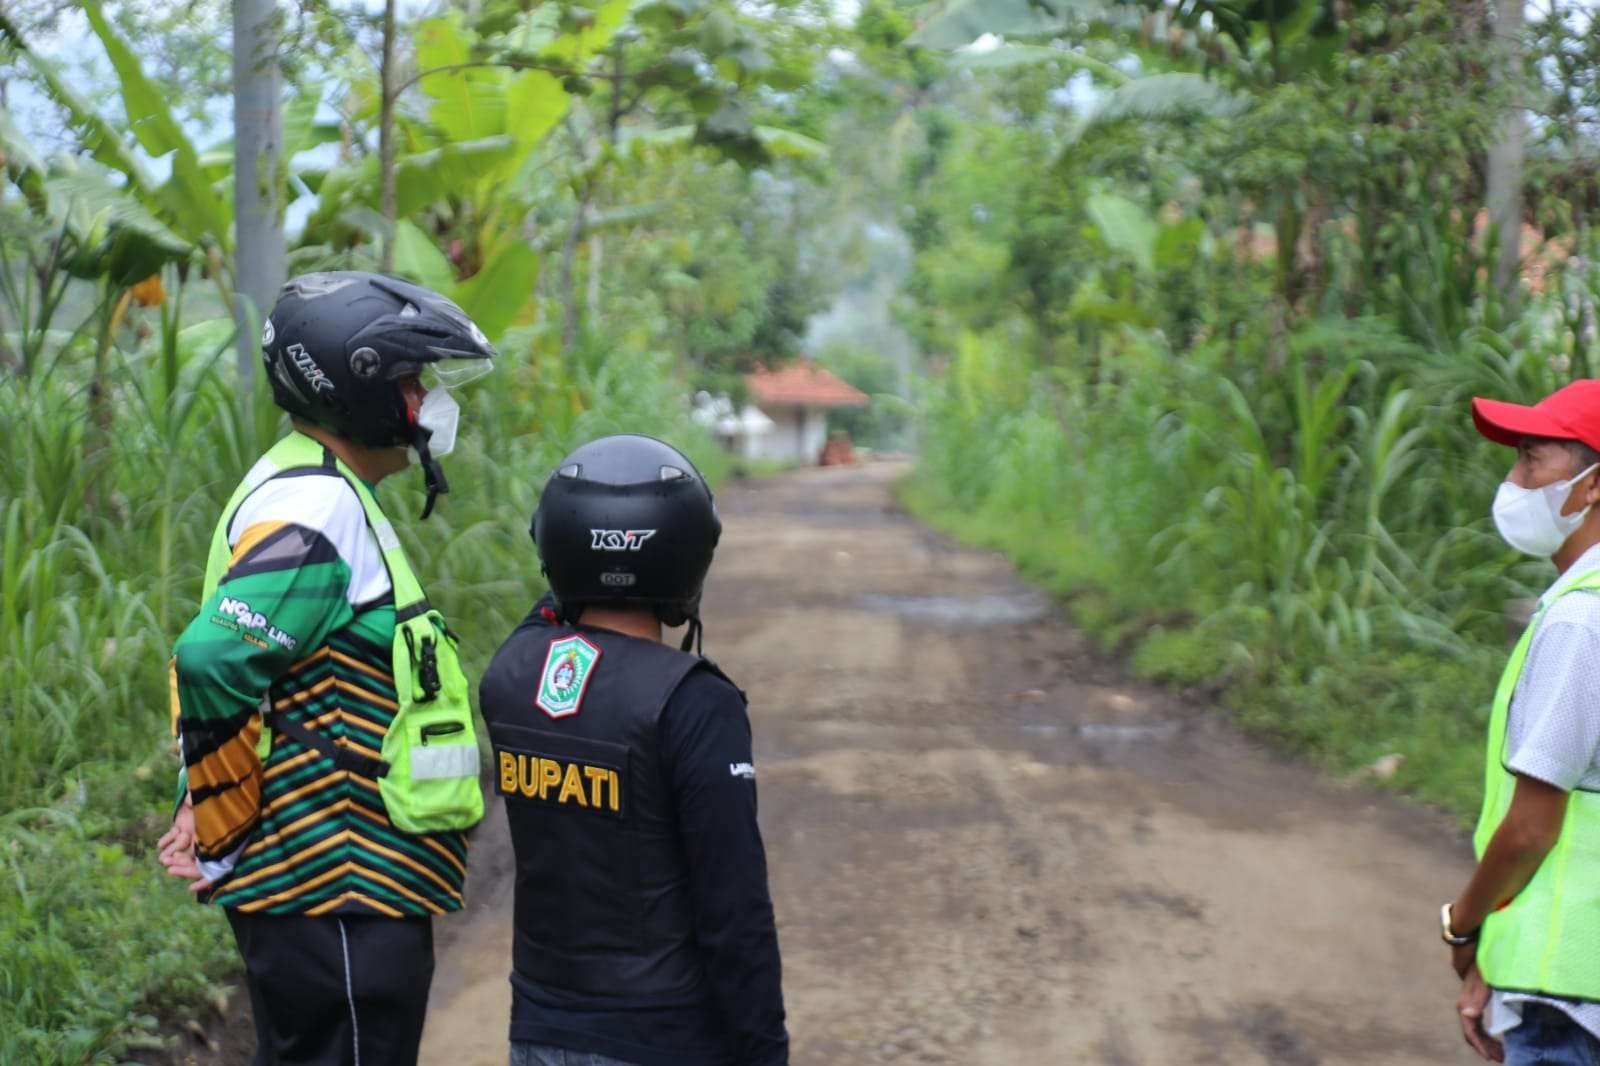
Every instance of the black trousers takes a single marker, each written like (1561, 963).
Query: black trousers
(336, 990)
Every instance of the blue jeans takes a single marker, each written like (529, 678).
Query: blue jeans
(1548, 1037)
(526, 1054)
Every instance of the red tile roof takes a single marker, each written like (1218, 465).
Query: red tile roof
(802, 384)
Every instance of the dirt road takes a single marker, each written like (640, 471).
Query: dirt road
(987, 847)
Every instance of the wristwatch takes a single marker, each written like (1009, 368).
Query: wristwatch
(1449, 935)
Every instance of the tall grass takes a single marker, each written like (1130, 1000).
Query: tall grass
(1295, 532)
(104, 544)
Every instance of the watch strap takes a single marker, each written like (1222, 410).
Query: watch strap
(1448, 934)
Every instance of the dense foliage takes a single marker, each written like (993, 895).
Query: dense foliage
(1213, 296)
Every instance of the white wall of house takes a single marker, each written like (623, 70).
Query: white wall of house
(797, 436)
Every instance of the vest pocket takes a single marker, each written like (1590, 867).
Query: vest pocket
(431, 746)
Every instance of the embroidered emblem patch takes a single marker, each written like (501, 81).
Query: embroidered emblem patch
(566, 674)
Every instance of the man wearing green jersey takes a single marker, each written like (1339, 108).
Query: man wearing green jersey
(328, 751)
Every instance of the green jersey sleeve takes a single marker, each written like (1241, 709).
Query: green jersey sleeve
(286, 588)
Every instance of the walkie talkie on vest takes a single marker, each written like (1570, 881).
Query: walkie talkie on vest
(427, 666)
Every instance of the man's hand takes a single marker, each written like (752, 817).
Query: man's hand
(1464, 958)
(176, 849)
(1470, 1007)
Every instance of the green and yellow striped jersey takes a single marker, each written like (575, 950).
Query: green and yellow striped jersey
(304, 619)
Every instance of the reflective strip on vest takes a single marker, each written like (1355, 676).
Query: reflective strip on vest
(434, 763)
(1547, 939)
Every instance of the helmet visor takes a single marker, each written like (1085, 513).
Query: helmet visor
(454, 373)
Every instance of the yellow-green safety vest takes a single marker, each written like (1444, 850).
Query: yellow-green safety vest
(431, 748)
(1547, 939)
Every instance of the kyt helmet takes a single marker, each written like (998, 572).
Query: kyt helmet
(628, 520)
(338, 343)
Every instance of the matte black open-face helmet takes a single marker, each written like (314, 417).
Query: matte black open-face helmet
(338, 343)
(628, 520)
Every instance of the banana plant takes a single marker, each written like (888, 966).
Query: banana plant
(474, 122)
(102, 230)
(190, 213)
(187, 203)
(483, 113)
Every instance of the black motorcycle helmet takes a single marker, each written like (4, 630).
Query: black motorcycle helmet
(628, 519)
(338, 343)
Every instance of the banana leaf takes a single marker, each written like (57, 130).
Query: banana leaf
(192, 201)
(497, 294)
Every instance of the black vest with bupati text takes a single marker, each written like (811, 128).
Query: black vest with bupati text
(602, 886)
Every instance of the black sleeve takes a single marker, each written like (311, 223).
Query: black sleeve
(705, 734)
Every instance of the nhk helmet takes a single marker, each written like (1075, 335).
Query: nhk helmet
(338, 344)
(628, 520)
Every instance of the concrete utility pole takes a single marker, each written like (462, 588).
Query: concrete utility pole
(1505, 155)
(258, 187)
(387, 92)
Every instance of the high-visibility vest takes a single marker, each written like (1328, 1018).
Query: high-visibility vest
(428, 775)
(1547, 939)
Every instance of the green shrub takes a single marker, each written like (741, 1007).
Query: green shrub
(1315, 536)
(1192, 655)
(98, 942)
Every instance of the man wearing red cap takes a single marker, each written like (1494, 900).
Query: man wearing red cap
(1525, 932)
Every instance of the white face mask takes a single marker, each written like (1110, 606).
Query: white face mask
(440, 415)
(1530, 520)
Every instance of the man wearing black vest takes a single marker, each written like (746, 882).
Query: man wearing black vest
(644, 932)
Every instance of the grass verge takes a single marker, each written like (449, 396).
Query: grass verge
(101, 948)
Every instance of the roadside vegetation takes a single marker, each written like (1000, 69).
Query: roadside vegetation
(1211, 297)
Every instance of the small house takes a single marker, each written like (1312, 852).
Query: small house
(797, 399)
(786, 418)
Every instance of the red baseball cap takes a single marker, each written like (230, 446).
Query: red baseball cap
(1569, 413)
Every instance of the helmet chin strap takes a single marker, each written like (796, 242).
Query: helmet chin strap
(432, 473)
(694, 636)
